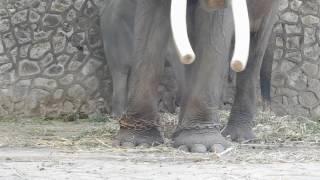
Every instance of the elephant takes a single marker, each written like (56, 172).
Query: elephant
(120, 34)
(136, 36)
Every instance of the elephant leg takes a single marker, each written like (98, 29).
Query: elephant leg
(174, 80)
(120, 92)
(178, 68)
(117, 34)
(140, 124)
(266, 74)
(239, 126)
(199, 126)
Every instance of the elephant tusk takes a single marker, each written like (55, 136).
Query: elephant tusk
(180, 32)
(242, 35)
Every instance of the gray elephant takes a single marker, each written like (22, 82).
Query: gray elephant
(118, 32)
(136, 36)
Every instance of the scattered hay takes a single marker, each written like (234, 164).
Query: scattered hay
(279, 139)
(270, 128)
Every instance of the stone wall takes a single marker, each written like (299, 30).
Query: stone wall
(296, 75)
(52, 62)
(51, 57)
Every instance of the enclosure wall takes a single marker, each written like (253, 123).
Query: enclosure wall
(52, 61)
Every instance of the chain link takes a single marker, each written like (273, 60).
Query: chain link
(137, 124)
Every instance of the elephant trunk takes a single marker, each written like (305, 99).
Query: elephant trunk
(242, 35)
(242, 31)
(180, 32)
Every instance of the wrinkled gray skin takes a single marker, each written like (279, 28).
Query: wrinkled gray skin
(136, 36)
(117, 25)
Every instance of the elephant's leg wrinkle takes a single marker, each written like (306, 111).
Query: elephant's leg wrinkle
(199, 126)
(141, 119)
(239, 126)
(196, 113)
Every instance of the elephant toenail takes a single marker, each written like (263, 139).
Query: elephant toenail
(217, 148)
(183, 148)
(198, 148)
(128, 145)
(144, 145)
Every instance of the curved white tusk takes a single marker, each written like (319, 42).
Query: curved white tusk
(180, 32)
(242, 35)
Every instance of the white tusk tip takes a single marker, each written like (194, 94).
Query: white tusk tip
(237, 66)
(188, 59)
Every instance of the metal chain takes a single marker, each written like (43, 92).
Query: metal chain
(137, 124)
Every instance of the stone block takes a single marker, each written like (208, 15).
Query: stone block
(28, 68)
(290, 17)
(38, 50)
(308, 99)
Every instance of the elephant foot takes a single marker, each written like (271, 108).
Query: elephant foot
(131, 138)
(239, 133)
(117, 112)
(200, 140)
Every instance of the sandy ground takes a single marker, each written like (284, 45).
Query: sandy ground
(42, 149)
(53, 164)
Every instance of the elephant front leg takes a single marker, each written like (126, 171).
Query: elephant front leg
(199, 125)
(140, 124)
(119, 94)
(240, 124)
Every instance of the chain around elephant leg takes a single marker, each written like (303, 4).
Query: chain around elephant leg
(137, 132)
(199, 130)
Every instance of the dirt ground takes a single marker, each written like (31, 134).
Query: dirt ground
(54, 164)
(80, 149)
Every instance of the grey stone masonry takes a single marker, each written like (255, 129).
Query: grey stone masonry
(51, 57)
(52, 61)
(296, 75)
